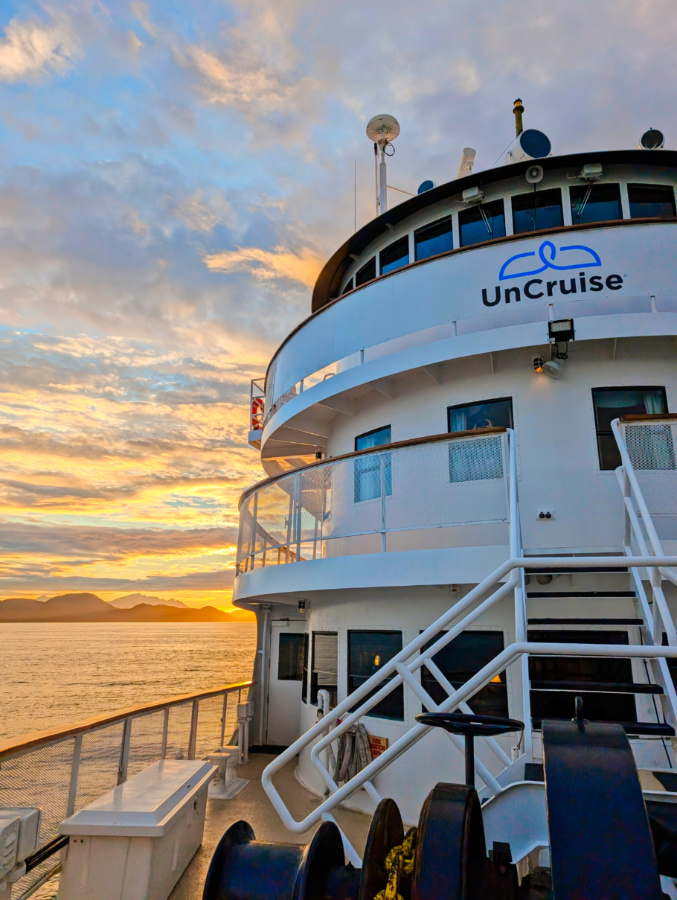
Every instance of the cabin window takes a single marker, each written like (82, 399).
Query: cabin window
(482, 223)
(614, 403)
(569, 676)
(651, 201)
(366, 273)
(595, 203)
(348, 286)
(477, 460)
(536, 210)
(290, 657)
(395, 255)
(434, 238)
(368, 651)
(460, 660)
(374, 469)
(325, 665)
(306, 654)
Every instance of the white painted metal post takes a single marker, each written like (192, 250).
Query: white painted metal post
(297, 515)
(223, 720)
(382, 457)
(192, 740)
(165, 732)
(290, 520)
(75, 769)
(252, 549)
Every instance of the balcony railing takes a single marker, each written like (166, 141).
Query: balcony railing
(410, 495)
(63, 770)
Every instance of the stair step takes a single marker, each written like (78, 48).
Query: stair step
(568, 570)
(556, 595)
(648, 729)
(585, 621)
(597, 687)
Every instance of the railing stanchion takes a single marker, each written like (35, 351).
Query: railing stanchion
(383, 502)
(252, 551)
(124, 750)
(165, 731)
(192, 740)
(297, 516)
(75, 770)
(290, 519)
(223, 719)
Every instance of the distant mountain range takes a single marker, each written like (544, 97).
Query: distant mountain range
(84, 607)
(131, 600)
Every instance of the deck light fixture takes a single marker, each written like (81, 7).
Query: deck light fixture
(538, 363)
(561, 330)
(302, 606)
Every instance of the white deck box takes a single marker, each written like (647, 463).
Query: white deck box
(136, 841)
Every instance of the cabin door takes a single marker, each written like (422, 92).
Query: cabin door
(285, 681)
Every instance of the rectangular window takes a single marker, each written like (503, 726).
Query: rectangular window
(595, 203)
(306, 653)
(348, 287)
(395, 255)
(325, 665)
(290, 657)
(614, 403)
(537, 209)
(368, 651)
(460, 660)
(375, 469)
(477, 460)
(482, 223)
(433, 239)
(579, 671)
(651, 201)
(366, 273)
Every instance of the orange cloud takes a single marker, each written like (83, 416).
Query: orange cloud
(266, 265)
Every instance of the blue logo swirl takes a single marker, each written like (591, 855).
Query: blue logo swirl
(585, 258)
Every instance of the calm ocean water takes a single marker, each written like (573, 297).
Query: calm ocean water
(57, 674)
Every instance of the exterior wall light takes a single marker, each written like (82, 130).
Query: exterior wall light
(553, 368)
(561, 330)
(538, 364)
(302, 606)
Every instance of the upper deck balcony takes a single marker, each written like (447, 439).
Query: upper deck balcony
(601, 253)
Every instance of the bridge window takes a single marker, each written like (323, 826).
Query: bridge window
(374, 469)
(324, 675)
(614, 403)
(290, 657)
(482, 223)
(369, 651)
(595, 203)
(348, 286)
(652, 201)
(460, 660)
(570, 675)
(537, 209)
(395, 255)
(434, 238)
(366, 273)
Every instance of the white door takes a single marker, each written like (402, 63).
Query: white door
(285, 681)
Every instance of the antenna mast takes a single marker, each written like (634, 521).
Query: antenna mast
(382, 130)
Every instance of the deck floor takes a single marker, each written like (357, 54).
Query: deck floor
(253, 805)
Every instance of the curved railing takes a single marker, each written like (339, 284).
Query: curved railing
(388, 498)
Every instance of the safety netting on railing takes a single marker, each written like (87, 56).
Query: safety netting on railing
(350, 505)
(651, 446)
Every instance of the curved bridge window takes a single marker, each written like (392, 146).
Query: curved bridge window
(595, 203)
(482, 223)
(366, 273)
(536, 210)
(434, 238)
(651, 201)
(395, 255)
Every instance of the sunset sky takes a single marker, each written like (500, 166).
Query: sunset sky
(173, 174)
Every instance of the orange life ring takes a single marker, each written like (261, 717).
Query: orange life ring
(257, 413)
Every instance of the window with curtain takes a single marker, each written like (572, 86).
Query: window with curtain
(654, 201)
(537, 209)
(368, 651)
(324, 675)
(615, 403)
(482, 223)
(375, 469)
(434, 238)
(460, 660)
(290, 657)
(477, 460)
(595, 203)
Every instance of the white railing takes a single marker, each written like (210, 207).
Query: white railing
(383, 499)
(61, 771)
(257, 401)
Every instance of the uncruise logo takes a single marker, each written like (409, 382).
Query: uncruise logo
(548, 259)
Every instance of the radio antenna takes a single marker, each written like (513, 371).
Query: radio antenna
(382, 130)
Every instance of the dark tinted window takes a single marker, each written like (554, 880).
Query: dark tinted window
(433, 239)
(614, 403)
(651, 201)
(488, 413)
(460, 660)
(595, 203)
(325, 665)
(395, 255)
(306, 654)
(348, 287)
(366, 273)
(290, 657)
(373, 470)
(559, 704)
(368, 651)
(537, 209)
(481, 223)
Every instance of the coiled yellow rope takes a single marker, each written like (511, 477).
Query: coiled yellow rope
(399, 865)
